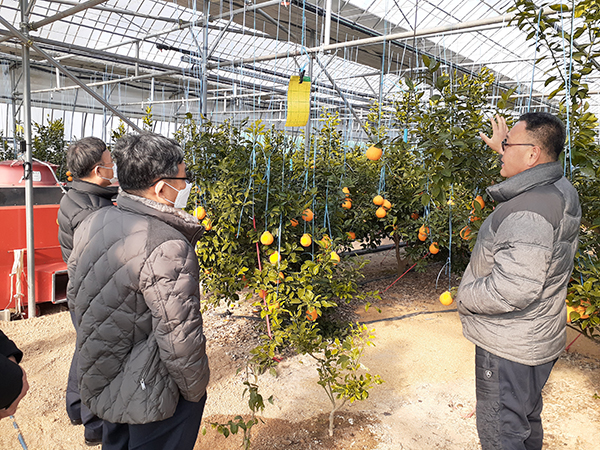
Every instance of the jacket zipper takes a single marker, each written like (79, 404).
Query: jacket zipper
(147, 369)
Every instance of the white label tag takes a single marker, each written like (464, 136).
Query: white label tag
(37, 176)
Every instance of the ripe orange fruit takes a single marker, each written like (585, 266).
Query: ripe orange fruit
(414, 216)
(280, 278)
(378, 200)
(305, 240)
(347, 204)
(478, 199)
(374, 153)
(312, 314)
(69, 178)
(465, 232)
(474, 218)
(326, 241)
(262, 294)
(424, 230)
(294, 222)
(68, 173)
(275, 258)
(199, 213)
(422, 237)
(434, 248)
(207, 224)
(381, 212)
(387, 204)
(346, 191)
(351, 235)
(266, 238)
(307, 215)
(335, 258)
(446, 298)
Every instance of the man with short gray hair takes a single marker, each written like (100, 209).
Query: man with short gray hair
(134, 286)
(511, 299)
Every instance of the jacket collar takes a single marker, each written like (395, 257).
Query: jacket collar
(540, 175)
(108, 192)
(183, 222)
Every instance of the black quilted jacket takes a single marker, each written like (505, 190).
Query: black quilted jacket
(82, 199)
(133, 284)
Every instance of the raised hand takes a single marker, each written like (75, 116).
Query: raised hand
(499, 132)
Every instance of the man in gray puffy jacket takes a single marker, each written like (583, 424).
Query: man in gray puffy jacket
(93, 170)
(511, 299)
(133, 281)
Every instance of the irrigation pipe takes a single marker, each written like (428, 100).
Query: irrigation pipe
(407, 316)
(21, 439)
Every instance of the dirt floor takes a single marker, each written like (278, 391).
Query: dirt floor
(426, 402)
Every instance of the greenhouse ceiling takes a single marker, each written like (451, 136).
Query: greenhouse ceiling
(166, 55)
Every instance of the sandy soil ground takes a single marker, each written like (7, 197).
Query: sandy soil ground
(426, 402)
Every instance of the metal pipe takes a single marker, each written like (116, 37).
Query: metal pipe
(27, 167)
(327, 36)
(61, 15)
(377, 39)
(204, 87)
(103, 83)
(29, 43)
(335, 86)
(195, 23)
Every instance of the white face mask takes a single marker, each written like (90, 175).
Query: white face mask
(112, 180)
(182, 195)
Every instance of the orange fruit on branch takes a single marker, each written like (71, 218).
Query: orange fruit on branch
(424, 230)
(347, 204)
(478, 199)
(305, 240)
(346, 191)
(374, 153)
(387, 204)
(381, 212)
(465, 232)
(434, 248)
(351, 235)
(307, 215)
(275, 258)
(378, 200)
(207, 224)
(266, 238)
(199, 213)
(446, 298)
(414, 216)
(294, 222)
(422, 237)
(311, 314)
(335, 258)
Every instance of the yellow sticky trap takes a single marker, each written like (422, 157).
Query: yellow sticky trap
(298, 102)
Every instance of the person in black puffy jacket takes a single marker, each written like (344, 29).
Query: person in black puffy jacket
(93, 172)
(134, 287)
(13, 381)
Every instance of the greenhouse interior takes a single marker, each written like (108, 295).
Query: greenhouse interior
(345, 166)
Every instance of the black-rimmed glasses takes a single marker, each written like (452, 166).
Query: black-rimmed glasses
(506, 144)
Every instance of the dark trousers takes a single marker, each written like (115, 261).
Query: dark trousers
(177, 432)
(509, 402)
(77, 410)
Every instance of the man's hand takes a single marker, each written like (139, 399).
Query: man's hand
(499, 132)
(13, 407)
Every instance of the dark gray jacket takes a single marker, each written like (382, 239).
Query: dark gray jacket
(133, 284)
(511, 298)
(80, 201)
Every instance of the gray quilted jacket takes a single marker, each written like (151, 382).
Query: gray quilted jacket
(133, 284)
(511, 299)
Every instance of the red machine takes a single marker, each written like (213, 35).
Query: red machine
(50, 270)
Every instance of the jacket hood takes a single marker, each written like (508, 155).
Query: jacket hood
(183, 222)
(108, 192)
(540, 175)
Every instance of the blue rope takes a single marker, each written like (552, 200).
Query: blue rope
(537, 32)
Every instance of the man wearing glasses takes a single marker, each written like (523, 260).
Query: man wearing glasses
(511, 299)
(93, 171)
(134, 285)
